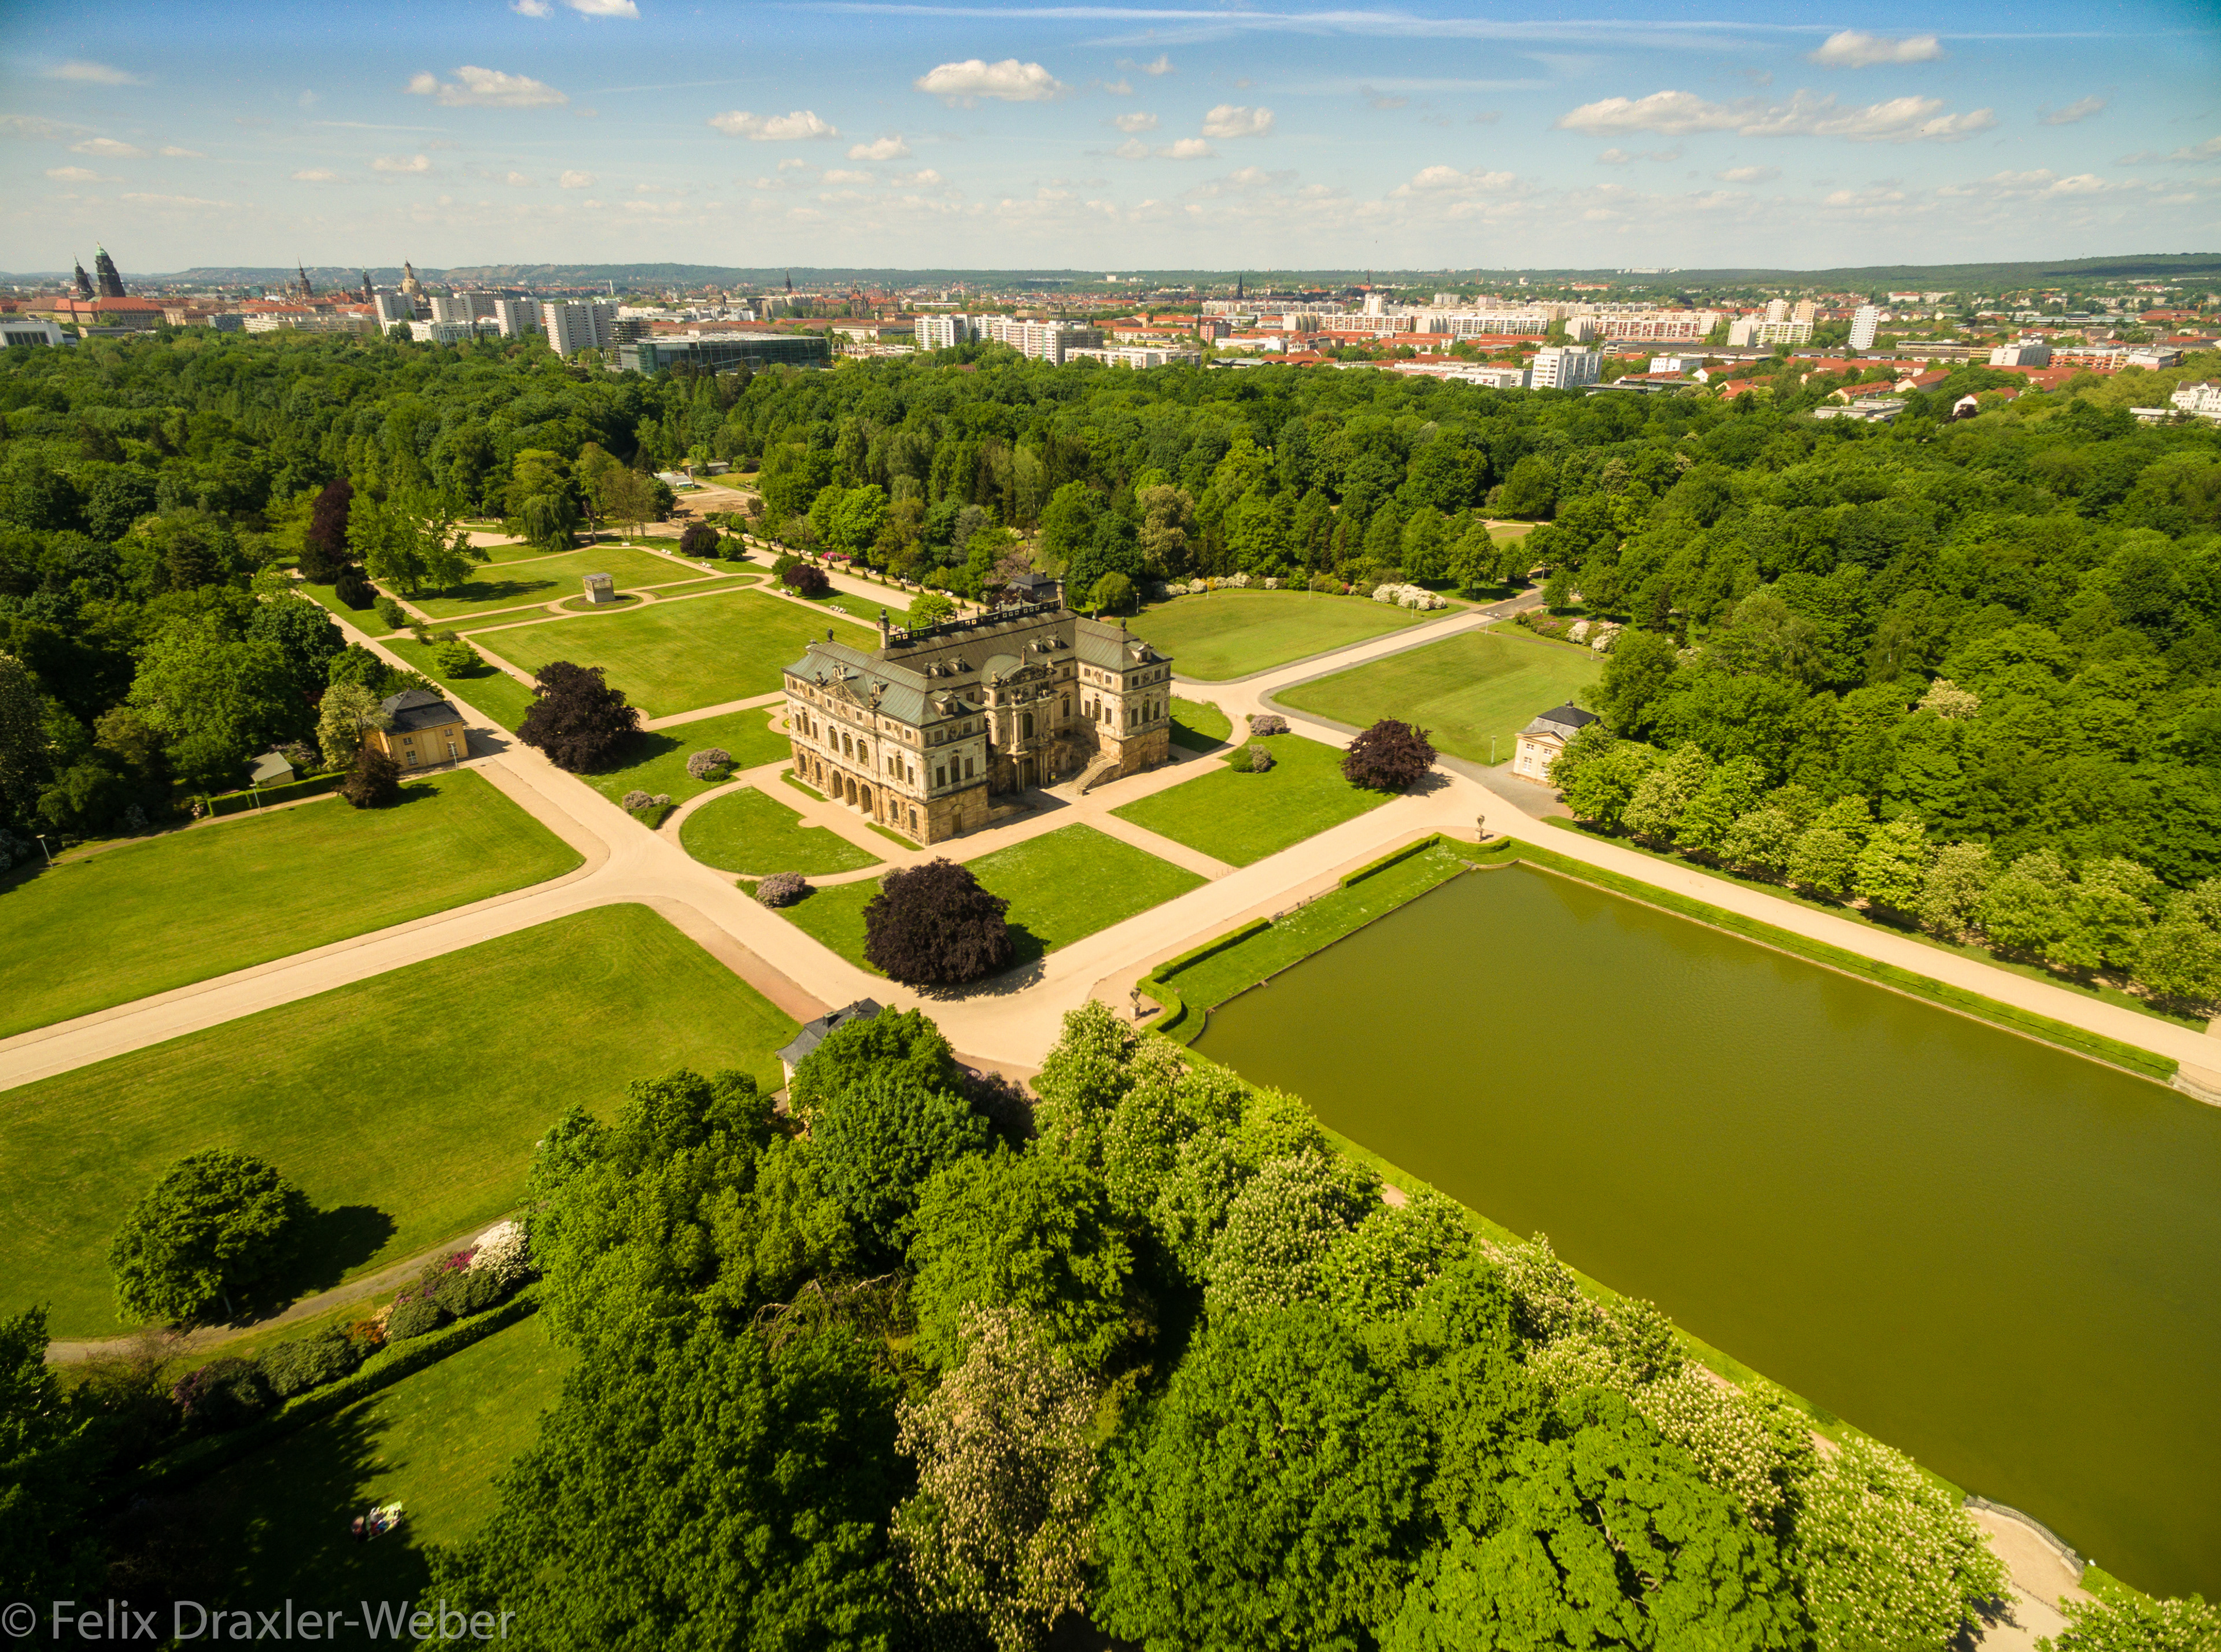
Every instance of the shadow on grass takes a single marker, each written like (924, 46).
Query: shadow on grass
(642, 746)
(332, 1243)
(273, 1526)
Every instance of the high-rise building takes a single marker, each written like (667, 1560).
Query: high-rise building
(1864, 320)
(516, 316)
(572, 327)
(1777, 310)
(84, 283)
(393, 306)
(104, 276)
(1806, 310)
(1562, 367)
(945, 332)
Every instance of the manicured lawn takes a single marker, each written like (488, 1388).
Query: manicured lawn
(1067, 884)
(363, 620)
(406, 1105)
(670, 657)
(746, 831)
(434, 1441)
(190, 904)
(1232, 633)
(489, 689)
(1061, 886)
(1198, 725)
(654, 759)
(543, 579)
(1463, 690)
(1243, 818)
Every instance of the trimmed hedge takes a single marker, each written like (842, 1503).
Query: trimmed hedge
(241, 802)
(202, 1457)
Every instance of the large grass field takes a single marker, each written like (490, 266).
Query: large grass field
(746, 831)
(276, 1522)
(1243, 818)
(1463, 690)
(190, 904)
(671, 657)
(1232, 633)
(489, 689)
(406, 1105)
(363, 620)
(654, 759)
(541, 579)
(1062, 886)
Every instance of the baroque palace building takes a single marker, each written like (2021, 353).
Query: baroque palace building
(922, 732)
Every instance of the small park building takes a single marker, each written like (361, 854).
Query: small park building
(921, 733)
(1541, 741)
(422, 730)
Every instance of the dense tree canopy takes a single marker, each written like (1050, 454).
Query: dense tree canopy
(218, 1226)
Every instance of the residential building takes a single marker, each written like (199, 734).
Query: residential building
(572, 327)
(944, 332)
(393, 306)
(921, 733)
(725, 352)
(1539, 742)
(1750, 331)
(2202, 399)
(1043, 340)
(515, 317)
(1565, 367)
(814, 1033)
(1865, 321)
(440, 332)
(1138, 355)
(1659, 326)
(2023, 352)
(422, 730)
(1676, 363)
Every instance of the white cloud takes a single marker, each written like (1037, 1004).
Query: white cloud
(176, 153)
(1237, 121)
(1439, 180)
(91, 73)
(1134, 122)
(402, 164)
(577, 180)
(531, 8)
(2211, 149)
(603, 7)
(315, 175)
(31, 126)
(1132, 149)
(925, 178)
(968, 82)
(1120, 88)
(1163, 65)
(843, 175)
(2080, 110)
(774, 128)
(880, 149)
(1749, 175)
(1615, 158)
(79, 174)
(1488, 117)
(519, 181)
(1676, 114)
(1187, 149)
(478, 88)
(108, 148)
(1383, 100)
(1854, 49)
(175, 201)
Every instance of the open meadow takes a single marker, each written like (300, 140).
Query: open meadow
(1232, 633)
(1465, 689)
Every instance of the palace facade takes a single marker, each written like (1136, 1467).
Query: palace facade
(923, 734)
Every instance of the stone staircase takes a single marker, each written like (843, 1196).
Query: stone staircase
(1102, 769)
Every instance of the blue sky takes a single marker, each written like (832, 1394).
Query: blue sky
(1117, 136)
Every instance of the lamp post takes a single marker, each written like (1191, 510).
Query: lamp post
(43, 850)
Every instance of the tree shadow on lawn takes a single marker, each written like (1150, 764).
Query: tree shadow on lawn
(273, 1525)
(332, 1243)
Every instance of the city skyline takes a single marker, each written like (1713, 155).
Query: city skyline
(892, 134)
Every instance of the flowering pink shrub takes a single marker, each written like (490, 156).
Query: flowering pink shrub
(713, 763)
(782, 889)
(1267, 723)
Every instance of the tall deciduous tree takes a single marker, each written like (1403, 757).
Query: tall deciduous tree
(999, 1531)
(324, 541)
(218, 1226)
(373, 779)
(576, 718)
(935, 926)
(882, 1135)
(1270, 1500)
(1388, 756)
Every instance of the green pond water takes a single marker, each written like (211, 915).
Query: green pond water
(2001, 1258)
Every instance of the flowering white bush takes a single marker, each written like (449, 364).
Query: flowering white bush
(634, 800)
(1409, 596)
(1239, 581)
(1271, 584)
(1891, 1559)
(504, 1251)
(1604, 636)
